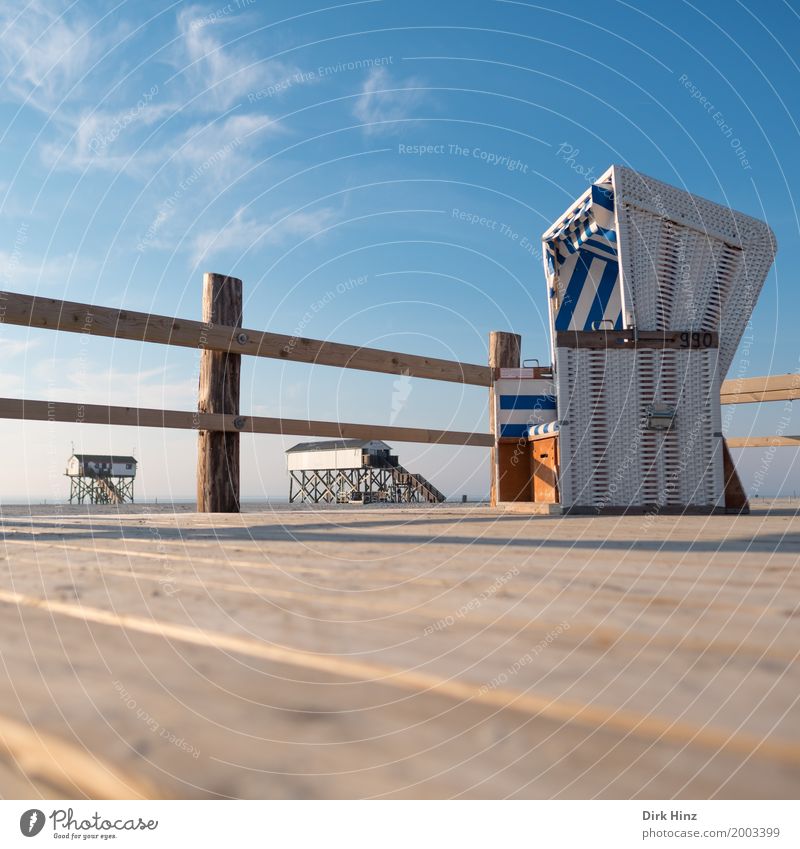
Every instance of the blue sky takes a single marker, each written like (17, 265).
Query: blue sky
(324, 154)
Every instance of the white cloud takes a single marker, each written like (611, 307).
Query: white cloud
(48, 56)
(242, 233)
(204, 142)
(108, 140)
(384, 101)
(207, 160)
(111, 141)
(220, 75)
(44, 52)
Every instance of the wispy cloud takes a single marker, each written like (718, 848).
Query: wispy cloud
(109, 140)
(44, 55)
(222, 75)
(202, 142)
(112, 141)
(243, 234)
(46, 49)
(206, 159)
(49, 55)
(385, 101)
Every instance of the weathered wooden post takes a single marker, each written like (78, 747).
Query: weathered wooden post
(218, 392)
(504, 352)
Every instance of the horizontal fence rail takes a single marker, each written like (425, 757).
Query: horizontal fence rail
(762, 441)
(66, 411)
(52, 314)
(752, 390)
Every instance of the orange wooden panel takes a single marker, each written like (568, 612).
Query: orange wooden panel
(544, 468)
(514, 471)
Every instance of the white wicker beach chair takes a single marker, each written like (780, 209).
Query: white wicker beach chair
(650, 290)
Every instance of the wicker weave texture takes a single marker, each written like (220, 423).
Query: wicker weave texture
(688, 263)
(609, 455)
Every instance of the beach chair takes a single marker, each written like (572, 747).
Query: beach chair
(650, 289)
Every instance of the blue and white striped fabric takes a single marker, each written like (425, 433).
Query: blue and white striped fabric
(522, 403)
(582, 266)
(543, 429)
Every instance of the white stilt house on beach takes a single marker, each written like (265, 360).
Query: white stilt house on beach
(353, 471)
(101, 478)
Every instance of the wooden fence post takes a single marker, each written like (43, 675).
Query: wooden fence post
(218, 392)
(504, 352)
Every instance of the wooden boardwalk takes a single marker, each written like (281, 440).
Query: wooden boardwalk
(427, 652)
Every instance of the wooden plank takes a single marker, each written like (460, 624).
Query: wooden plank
(651, 727)
(752, 390)
(52, 314)
(760, 397)
(762, 441)
(345, 741)
(218, 392)
(764, 383)
(535, 372)
(66, 766)
(218, 589)
(504, 352)
(63, 411)
(626, 339)
(189, 569)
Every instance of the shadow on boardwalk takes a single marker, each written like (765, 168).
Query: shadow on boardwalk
(368, 531)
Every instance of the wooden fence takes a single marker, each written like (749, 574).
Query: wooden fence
(222, 341)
